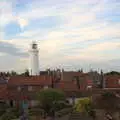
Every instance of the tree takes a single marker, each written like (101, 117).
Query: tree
(26, 72)
(113, 73)
(84, 105)
(81, 105)
(49, 100)
(13, 73)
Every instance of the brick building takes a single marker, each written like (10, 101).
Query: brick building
(112, 81)
(17, 88)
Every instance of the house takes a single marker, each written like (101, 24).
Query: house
(17, 88)
(24, 88)
(3, 88)
(112, 81)
(82, 80)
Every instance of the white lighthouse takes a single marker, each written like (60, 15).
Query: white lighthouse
(34, 59)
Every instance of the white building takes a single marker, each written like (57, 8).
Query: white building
(34, 59)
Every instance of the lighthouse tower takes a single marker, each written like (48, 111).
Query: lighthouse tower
(34, 59)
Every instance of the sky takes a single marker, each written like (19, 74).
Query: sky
(71, 34)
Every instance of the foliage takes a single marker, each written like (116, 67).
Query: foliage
(84, 105)
(108, 95)
(3, 107)
(35, 111)
(50, 99)
(15, 111)
(13, 73)
(10, 113)
(63, 112)
(26, 73)
(113, 73)
(8, 116)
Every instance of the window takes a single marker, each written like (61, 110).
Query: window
(119, 81)
(19, 88)
(45, 87)
(29, 88)
(34, 46)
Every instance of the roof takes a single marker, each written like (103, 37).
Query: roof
(112, 81)
(69, 75)
(30, 80)
(67, 86)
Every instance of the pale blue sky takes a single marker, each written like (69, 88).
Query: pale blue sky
(71, 34)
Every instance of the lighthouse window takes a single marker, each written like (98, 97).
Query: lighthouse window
(34, 46)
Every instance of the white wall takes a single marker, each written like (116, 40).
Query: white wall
(34, 62)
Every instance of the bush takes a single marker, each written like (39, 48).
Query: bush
(51, 100)
(82, 105)
(108, 94)
(3, 107)
(15, 111)
(8, 116)
(63, 112)
(36, 111)
(10, 113)
(2, 111)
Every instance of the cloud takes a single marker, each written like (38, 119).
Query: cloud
(97, 53)
(84, 35)
(102, 46)
(6, 15)
(9, 62)
(10, 49)
(22, 22)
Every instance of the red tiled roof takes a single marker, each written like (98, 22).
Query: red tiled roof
(73, 73)
(69, 75)
(67, 86)
(31, 80)
(112, 81)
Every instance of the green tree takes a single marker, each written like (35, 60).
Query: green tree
(26, 73)
(13, 73)
(113, 73)
(50, 99)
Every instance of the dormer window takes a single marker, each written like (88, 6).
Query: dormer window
(34, 46)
